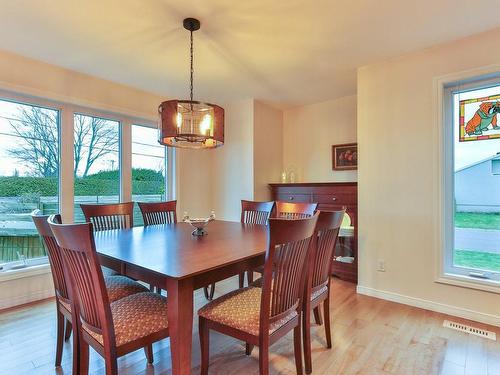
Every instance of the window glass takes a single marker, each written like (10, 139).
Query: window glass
(97, 161)
(29, 172)
(476, 250)
(148, 168)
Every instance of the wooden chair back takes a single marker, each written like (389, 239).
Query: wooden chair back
(283, 280)
(256, 212)
(154, 213)
(109, 216)
(327, 231)
(76, 242)
(293, 211)
(53, 253)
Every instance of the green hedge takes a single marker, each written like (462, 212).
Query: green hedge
(144, 181)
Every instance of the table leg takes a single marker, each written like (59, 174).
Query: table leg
(180, 323)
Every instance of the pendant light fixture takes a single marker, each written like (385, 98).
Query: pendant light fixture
(189, 123)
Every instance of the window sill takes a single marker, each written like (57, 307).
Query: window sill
(470, 282)
(29, 271)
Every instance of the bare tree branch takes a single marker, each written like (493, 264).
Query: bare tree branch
(94, 138)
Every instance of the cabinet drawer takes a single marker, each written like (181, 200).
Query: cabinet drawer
(306, 198)
(335, 198)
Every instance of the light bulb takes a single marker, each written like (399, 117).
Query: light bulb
(206, 124)
(179, 120)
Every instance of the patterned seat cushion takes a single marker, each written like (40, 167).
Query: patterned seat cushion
(240, 309)
(136, 316)
(118, 287)
(108, 271)
(121, 286)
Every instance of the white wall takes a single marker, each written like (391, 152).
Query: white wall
(267, 149)
(397, 184)
(309, 133)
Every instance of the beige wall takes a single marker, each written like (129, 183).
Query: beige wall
(397, 184)
(15, 290)
(232, 167)
(309, 133)
(267, 149)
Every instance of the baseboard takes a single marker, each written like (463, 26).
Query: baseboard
(430, 305)
(27, 298)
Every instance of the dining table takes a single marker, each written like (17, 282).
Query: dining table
(170, 257)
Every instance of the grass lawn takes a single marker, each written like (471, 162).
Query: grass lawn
(479, 220)
(477, 259)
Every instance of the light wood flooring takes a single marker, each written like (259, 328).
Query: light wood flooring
(370, 336)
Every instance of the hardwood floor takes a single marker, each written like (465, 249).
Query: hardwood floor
(370, 336)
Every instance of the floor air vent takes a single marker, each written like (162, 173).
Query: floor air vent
(472, 330)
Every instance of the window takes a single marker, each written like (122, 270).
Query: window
(473, 249)
(96, 161)
(149, 163)
(36, 172)
(29, 172)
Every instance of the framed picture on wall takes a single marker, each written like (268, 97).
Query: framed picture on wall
(345, 157)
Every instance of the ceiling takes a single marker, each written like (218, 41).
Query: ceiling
(284, 52)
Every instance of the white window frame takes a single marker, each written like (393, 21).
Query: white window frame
(39, 264)
(444, 175)
(67, 110)
(169, 164)
(123, 196)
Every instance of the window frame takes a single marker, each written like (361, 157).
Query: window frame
(121, 120)
(66, 112)
(38, 262)
(167, 156)
(443, 110)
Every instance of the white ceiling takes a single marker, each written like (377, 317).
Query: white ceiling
(285, 52)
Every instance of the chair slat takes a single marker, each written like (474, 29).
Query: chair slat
(256, 212)
(295, 211)
(109, 216)
(156, 213)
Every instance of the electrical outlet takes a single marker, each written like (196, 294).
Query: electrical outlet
(381, 265)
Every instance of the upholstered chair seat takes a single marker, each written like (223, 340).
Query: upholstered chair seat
(118, 287)
(240, 310)
(108, 271)
(135, 317)
(263, 315)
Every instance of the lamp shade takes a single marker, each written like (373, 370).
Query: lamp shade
(190, 124)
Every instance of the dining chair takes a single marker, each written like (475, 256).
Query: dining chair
(112, 329)
(117, 286)
(261, 316)
(154, 213)
(292, 210)
(109, 216)
(288, 211)
(317, 289)
(251, 213)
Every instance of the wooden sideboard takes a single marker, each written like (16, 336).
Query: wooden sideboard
(329, 196)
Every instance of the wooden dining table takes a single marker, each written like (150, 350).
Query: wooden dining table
(170, 257)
